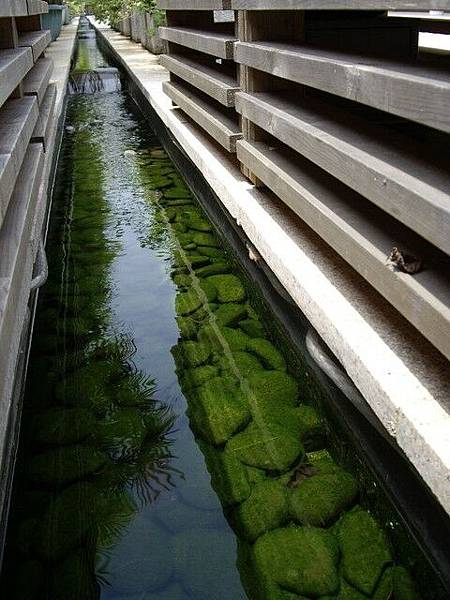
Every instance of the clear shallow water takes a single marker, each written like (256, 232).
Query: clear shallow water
(167, 452)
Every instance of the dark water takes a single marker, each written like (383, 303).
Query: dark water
(167, 448)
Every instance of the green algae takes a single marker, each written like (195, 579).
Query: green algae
(198, 376)
(216, 268)
(229, 477)
(209, 289)
(229, 288)
(187, 327)
(58, 426)
(252, 327)
(191, 353)
(229, 315)
(187, 302)
(65, 464)
(272, 389)
(267, 447)
(241, 362)
(365, 550)
(267, 353)
(403, 585)
(266, 508)
(319, 500)
(302, 560)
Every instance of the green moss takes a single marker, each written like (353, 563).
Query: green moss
(63, 426)
(188, 327)
(243, 362)
(197, 260)
(229, 288)
(209, 289)
(267, 353)
(122, 432)
(88, 383)
(216, 268)
(218, 411)
(403, 584)
(205, 239)
(346, 592)
(65, 464)
(211, 252)
(191, 354)
(228, 475)
(204, 564)
(182, 280)
(319, 500)
(365, 550)
(267, 447)
(302, 420)
(301, 560)
(187, 302)
(255, 475)
(272, 389)
(252, 327)
(385, 586)
(177, 193)
(229, 315)
(219, 338)
(266, 508)
(199, 375)
(199, 224)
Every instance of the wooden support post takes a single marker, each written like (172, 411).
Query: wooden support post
(8, 33)
(254, 26)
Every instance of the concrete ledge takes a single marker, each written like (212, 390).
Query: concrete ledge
(403, 378)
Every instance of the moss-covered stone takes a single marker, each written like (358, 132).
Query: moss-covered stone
(229, 288)
(204, 564)
(209, 289)
(122, 432)
(216, 268)
(191, 354)
(365, 550)
(319, 500)
(241, 362)
(404, 587)
(61, 426)
(182, 280)
(252, 327)
(177, 192)
(187, 302)
(272, 389)
(199, 224)
(266, 508)
(88, 384)
(218, 411)
(65, 464)
(188, 327)
(267, 353)
(267, 447)
(205, 239)
(385, 586)
(211, 252)
(346, 592)
(229, 315)
(301, 560)
(74, 578)
(220, 338)
(197, 260)
(302, 420)
(229, 476)
(199, 375)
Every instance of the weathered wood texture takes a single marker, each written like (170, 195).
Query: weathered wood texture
(42, 128)
(209, 42)
(220, 124)
(194, 4)
(36, 40)
(408, 180)
(14, 65)
(361, 234)
(408, 90)
(38, 78)
(37, 7)
(340, 4)
(13, 8)
(206, 76)
(17, 121)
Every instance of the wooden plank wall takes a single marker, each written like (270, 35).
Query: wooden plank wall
(342, 118)
(26, 106)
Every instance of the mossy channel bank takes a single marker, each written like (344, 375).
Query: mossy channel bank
(170, 447)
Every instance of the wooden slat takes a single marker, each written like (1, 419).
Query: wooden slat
(17, 121)
(215, 82)
(363, 235)
(43, 126)
(409, 90)
(13, 8)
(409, 181)
(340, 4)
(209, 42)
(37, 79)
(14, 65)
(221, 126)
(36, 40)
(37, 7)
(194, 4)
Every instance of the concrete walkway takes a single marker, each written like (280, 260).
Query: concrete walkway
(403, 378)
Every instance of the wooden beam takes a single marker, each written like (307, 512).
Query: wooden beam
(37, 7)
(362, 234)
(340, 4)
(408, 90)
(408, 180)
(14, 65)
(209, 42)
(13, 8)
(43, 126)
(194, 4)
(8, 33)
(37, 79)
(206, 76)
(220, 124)
(36, 40)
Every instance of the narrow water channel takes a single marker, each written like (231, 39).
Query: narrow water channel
(168, 447)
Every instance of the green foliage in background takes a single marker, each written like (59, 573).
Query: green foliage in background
(113, 11)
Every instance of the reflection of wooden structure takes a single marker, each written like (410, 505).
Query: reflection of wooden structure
(339, 116)
(27, 101)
